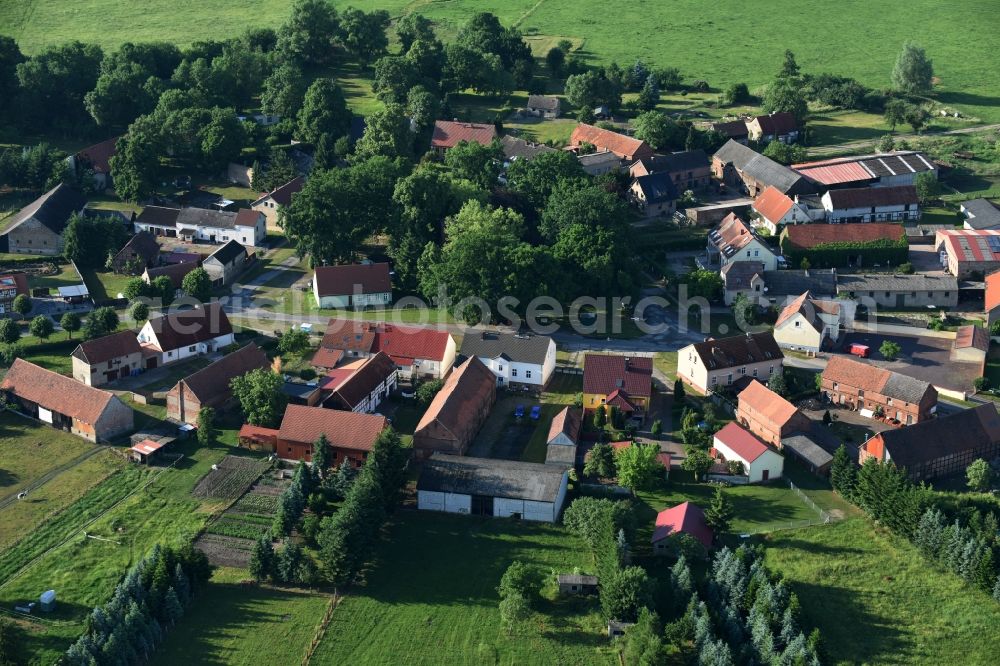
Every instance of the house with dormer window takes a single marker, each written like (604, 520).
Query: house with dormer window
(719, 363)
(734, 240)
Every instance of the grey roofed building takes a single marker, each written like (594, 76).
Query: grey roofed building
(514, 347)
(546, 102)
(734, 129)
(657, 187)
(576, 579)
(599, 162)
(898, 163)
(980, 214)
(847, 283)
(683, 161)
(804, 447)
(52, 210)
(228, 252)
(491, 477)
(204, 217)
(737, 274)
(763, 169)
(519, 149)
(819, 282)
(905, 388)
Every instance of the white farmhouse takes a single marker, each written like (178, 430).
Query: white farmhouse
(245, 226)
(776, 209)
(515, 359)
(492, 487)
(170, 338)
(760, 463)
(352, 285)
(872, 204)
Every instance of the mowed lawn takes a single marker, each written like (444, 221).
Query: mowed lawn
(234, 624)
(28, 451)
(717, 42)
(877, 601)
(431, 599)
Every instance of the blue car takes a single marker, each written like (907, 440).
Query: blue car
(519, 412)
(536, 412)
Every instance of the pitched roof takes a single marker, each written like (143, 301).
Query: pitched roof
(53, 209)
(18, 281)
(604, 139)
(598, 158)
(228, 253)
(738, 274)
(818, 281)
(656, 187)
(802, 305)
(351, 279)
(99, 155)
(604, 373)
(448, 133)
(804, 446)
(283, 195)
(967, 429)
(894, 282)
(992, 290)
(567, 422)
(105, 348)
(344, 430)
(247, 217)
(56, 392)
(530, 348)
(773, 204)
(326, 357)
(731, 235)
(175, 272)
(491, 477)
(687, 160)
(464, 392)
(981, 214)
(143, 244)
(359, 385)
(972, 336)
(811, 235)
(738, 350)
(778, 124)
(864, 168)
(213, 380)
(767, 403)
(762, 169)
(519, 149)
(741, 441)
(734, 129)
(546, 102)
(865, 376)
(873, 197)
(687, 518)
(190, 327)
(402, 343)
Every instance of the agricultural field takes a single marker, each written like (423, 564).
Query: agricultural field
(717, 43)
(876, 600)
(431, 598)
(240, 625)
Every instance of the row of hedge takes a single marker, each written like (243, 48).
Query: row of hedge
(842, 253)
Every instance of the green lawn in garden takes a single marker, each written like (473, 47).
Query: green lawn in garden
(28, 451)
(430, 598)
(104, 285)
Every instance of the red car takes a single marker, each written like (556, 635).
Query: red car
(858, 350)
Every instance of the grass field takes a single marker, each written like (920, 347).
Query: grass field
(238, 625)
(718, 42)
(28, 451)
(876, 601)
(431, 599)
(104, 285)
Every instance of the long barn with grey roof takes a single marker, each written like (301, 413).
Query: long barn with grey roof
(900, 291)
(736, 164)
(492, 487)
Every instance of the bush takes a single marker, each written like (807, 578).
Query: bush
(307, 374)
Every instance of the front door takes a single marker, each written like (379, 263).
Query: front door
(765, 475)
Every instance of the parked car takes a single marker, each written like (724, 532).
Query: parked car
(536, 412)
(519, 412)
(856, 349)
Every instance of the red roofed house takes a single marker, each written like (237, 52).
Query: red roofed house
(807, 323)
(971, 345)
(458, 411)
(271, 203)
(12, 285)
(869, 388)
(352, 285)
(777, 209)
(686, 518)
(625, 147)
(66, 404)
(448, 134)
(734, 240)
(992, 298)
(184, 334)
(366, 387)
(760, 463)
(769, 416)
(96, 158)
(872, 204)
(780, 126)
(350, 435)
(872, 239)
(417, 352)
(209, 387)
(107, 358)
(970, 253)
(620, 381)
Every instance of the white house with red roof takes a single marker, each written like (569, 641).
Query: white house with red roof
(424, 353)
(760, 463)
(806, 323)
(686, 518)
(775, 209)
(352, 286)
(734, 240)
(449, 133)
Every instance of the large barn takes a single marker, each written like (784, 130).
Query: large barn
(489, 487)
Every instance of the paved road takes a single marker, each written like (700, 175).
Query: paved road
(818, 151)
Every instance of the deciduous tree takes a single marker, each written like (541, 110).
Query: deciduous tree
(41, 327)
(198, 285)
(637, 465)
(208, 432)
(913, 72)
(260, 397)
(324, 111)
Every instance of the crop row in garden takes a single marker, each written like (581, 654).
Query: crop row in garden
(233, 476)
(232, 526)
(256, 503)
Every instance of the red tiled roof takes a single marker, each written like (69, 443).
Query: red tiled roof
(17, 280)
(99, 155)
(969, 245)
(351, 279)
(283, 195)
(992, 290)
(246, 217)
(603, 373)
(258, 433)
(741, 442)
(402, 343)
(619, 144)
(566, 422)
(213, 380)
(734, 232)
(773, 204)
(56, 392)
(834, 174)
(360, 384)
(619, 398)
(778, 124)
(344, 430)
(767, 403)
(811, 235)
(148, 446)
(734, 129)
(460, 400)
(972, 336)
(448, 133)
(100, 350)
(687, 518)
(327, 358)
(175, 272)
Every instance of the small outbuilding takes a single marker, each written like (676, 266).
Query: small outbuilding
(492, 487)
(577, 584)
(686, 518)
(146, 451)
(760, 463)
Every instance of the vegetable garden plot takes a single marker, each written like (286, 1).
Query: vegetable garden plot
(231, 477)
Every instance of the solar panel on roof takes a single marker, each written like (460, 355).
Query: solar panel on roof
(994, 242)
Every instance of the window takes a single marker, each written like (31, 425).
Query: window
(755, 372)
(770, 370)
(729, 379)
(756, 253)
(513, 372)
(835, 386)
(527, 373)
(715, 380)
(861, 393)
(946, 294)
(499, 368)
(192, 348)
(887, 294)
(798, 323)
(748, 253)
(743, 371)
